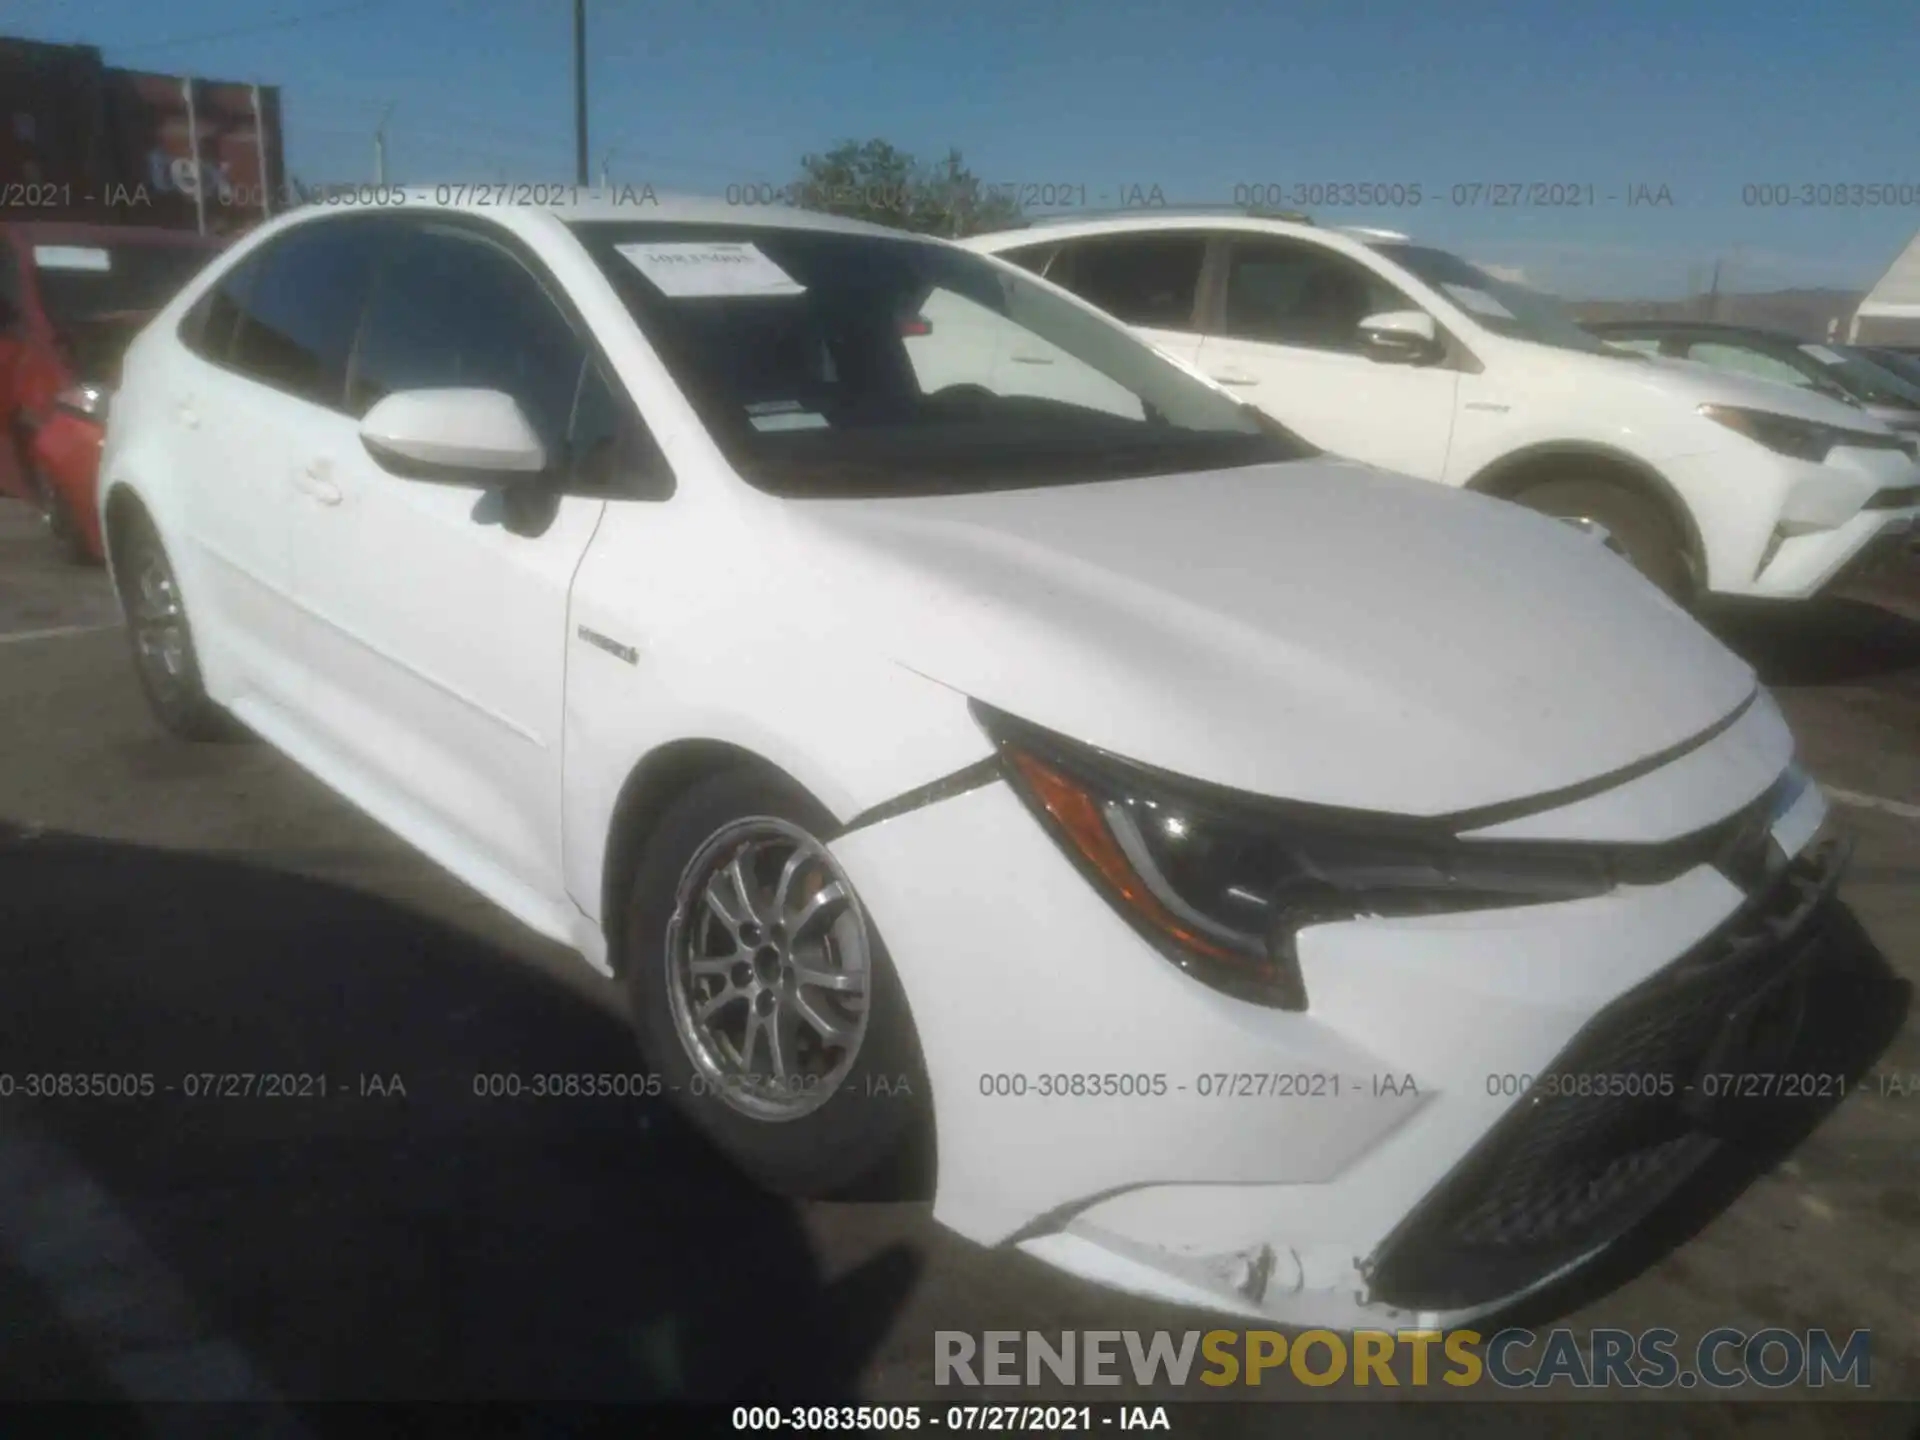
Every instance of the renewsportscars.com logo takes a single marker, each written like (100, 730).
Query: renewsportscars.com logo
(1512, 1359)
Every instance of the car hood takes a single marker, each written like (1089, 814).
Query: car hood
(1319, 630)
(1699, 384)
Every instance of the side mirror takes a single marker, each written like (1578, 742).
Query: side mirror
(454, 437)
(1401, 337)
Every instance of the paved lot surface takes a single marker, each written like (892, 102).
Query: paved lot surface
(179, 910)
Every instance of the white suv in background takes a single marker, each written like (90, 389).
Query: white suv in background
(1412, 359)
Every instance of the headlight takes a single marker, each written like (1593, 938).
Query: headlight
(1222, 883)
(1782, 434)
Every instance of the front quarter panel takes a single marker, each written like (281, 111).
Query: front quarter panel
(1528, 398)
(720, 644)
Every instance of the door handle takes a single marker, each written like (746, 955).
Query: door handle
(312, 481)
(1236, 379)
(1032, 359)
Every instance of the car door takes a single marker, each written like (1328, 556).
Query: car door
(437, 634)
(265, 357)
(1285, 335)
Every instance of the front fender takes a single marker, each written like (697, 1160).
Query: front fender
(906, 732)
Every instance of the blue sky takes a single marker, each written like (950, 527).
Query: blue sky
(1699, 96)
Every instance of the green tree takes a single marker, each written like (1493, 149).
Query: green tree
(878, 182)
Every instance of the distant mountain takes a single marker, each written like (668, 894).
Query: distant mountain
(1806, 313)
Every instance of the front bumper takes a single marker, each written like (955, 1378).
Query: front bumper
(66, 449)
(1870, 546)
(1102, 1111)
(1565, 1172)
(1778, 528)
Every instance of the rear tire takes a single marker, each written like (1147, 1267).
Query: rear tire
(163, 653)
(60, 520)
(799, 961)
(1638, 529)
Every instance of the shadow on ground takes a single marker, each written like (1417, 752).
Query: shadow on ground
(1854, 1014)
(1833, 640)
(425, 1246)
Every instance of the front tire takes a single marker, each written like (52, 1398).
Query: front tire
(1638, 529)
(163, 653)
(763, 997)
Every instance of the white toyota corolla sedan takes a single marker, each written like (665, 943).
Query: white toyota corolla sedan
(1263, 881)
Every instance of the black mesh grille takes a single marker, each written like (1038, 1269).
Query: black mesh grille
(1565, 1172)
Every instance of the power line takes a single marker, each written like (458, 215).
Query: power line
(285, 22)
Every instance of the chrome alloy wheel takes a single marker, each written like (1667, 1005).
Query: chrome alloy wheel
(159, 624)
(769, 969)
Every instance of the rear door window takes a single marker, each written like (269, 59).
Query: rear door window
(1148, 280)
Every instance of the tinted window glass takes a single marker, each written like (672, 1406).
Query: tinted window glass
(608, 445)
(1141, 279)
(1515, 311)
(87, 284)
(209, 325)
(303, 305)
(455, 310)
(1298, 294)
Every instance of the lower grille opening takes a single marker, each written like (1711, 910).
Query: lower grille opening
(1608, 1130)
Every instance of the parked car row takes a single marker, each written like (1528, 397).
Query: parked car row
(1415, 360)
(973, 734)
(71, 298)
(1849, 374)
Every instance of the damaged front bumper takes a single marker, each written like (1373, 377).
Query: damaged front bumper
(1327, 1167)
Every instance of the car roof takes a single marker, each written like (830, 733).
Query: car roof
(1141, 222)
(64, 232)
(581, 204)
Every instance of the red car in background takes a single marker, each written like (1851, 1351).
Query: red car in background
(71, 299)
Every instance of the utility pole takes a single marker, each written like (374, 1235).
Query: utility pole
(380, 145)
(580, 90)
(193, 152)
(1713, 294)
(606, 181)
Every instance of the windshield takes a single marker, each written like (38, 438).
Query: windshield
(1864, 377)
(830, 364)
(1907, 367)
(1498, 305)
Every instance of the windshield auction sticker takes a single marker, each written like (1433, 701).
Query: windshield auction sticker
(693, 271)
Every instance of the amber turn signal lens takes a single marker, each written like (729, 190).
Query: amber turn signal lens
(1078, 816)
